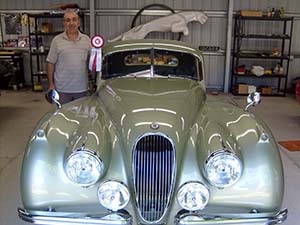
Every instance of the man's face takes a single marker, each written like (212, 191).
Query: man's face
(71, 21)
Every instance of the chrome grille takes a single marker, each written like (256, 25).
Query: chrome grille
(153, 173)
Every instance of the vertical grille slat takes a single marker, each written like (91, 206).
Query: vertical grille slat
(153, 171)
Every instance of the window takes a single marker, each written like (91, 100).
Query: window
(164, 63)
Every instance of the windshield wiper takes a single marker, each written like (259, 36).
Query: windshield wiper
(143, 73)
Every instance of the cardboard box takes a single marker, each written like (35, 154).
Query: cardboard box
(251, 88)
(243, 89)
(47, 27)
(257, 13)
(266, 90)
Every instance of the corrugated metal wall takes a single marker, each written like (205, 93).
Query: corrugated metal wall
(115, 16)
(212, 33)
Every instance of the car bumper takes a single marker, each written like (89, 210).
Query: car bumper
(110, 219)
(125, 219)
(196, 219)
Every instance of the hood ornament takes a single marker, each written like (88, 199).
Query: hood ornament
(154, 126)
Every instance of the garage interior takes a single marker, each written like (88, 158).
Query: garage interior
(23, 81)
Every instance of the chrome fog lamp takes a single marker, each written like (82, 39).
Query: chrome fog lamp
(193, 196)
(113, 195)
(83, 167)
(223, 168)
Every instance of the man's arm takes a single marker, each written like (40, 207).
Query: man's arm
(50, 74)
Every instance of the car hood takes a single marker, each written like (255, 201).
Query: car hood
(124, 109)
(139, 105)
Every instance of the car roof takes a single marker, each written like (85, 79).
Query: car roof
(151, 43)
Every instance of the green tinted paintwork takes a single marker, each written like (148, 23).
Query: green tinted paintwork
(122, 110)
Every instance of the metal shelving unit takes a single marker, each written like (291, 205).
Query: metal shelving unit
(240, 56)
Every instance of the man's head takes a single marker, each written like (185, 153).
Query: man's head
(71, 21)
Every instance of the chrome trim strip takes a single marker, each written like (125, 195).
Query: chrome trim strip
(54, 220)
(204, 219)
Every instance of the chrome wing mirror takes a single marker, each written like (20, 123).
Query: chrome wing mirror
(253, 99)
(52, 96)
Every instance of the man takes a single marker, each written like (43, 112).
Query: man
(68, 60)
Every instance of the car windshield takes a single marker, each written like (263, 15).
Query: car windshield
(152, 62)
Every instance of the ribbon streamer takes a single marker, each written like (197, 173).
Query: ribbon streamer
(95, 60)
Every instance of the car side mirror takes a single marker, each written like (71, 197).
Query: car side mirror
(52, 96)
(253, 99)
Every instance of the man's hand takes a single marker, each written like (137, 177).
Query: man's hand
(51, 87)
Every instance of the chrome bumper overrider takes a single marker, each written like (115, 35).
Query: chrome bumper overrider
(125, 219)
(196, 219)
(111, 219)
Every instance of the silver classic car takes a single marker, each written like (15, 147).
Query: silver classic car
(149, 147)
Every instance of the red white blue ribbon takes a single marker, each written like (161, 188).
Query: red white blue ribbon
(97, 42)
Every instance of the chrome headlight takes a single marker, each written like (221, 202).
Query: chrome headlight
(83, 167)
(223, 168)
(193, 196)
(113, 195)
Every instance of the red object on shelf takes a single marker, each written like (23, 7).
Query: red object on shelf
(297, 91)
(240, 70)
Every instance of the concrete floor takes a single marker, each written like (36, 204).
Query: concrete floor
(20, 111)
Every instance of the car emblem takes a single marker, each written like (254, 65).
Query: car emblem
(154, 126)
